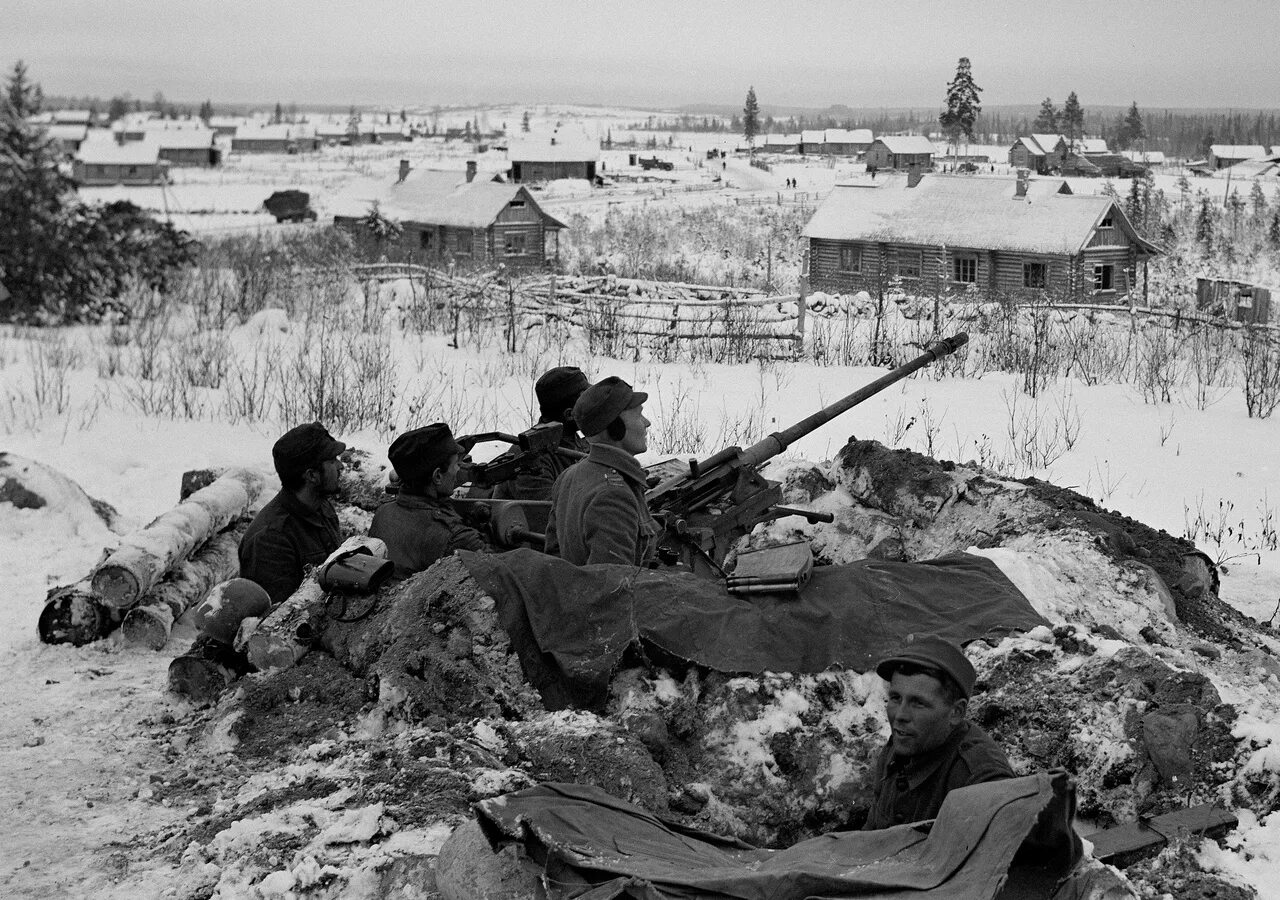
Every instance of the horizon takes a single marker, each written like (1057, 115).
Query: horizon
(658, 57)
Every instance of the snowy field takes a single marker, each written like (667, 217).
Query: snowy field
(83, 730)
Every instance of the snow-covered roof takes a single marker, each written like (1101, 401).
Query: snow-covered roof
(67, 132)
(1259, 166)
(227, 121)
(181, 138)
(436, 197)
(782, 139)
(281, 132)
(1043, 144)
(1150, 157)
(1092, 145)
(1237, 151)
(561, 151)
(848, 136)
(906, 143)
(72, 116)
(963, 212)
(812, 136)
(108, 152)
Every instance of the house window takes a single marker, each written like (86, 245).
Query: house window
(909, 263)
(516, 244)
(1108, 221)
(462, 242)
(427, 239)
(1035, 275)
(965, 269)
(851, 259)
(516, 204)
(1103, 274)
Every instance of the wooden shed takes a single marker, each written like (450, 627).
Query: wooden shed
(1238, 301)
(105, 162)
(533, 161)
(448, 217)
(900, 152)
(998, 236)
(1038, 153)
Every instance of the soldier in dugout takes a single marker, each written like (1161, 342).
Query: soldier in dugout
(420, 524)
(298, 528)
(557, 391)
(933, 749)
(598, 510)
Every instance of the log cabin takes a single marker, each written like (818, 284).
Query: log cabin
(1039, 153)
(447, 217)
(997, 237)
(901, 152)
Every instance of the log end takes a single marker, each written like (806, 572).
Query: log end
(117, 587)
(199, 679)
(148, 626)
(74, 617)
(267, 652)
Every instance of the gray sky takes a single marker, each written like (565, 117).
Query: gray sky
(1177, 53)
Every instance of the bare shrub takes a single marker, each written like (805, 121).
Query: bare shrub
(1158, 363)
(1209, 367)
(1261, 373)
(680, 427)
(52, 357)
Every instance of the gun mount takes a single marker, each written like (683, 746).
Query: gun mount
(718, 500)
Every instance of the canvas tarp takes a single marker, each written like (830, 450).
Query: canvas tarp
(571, 624)
(592, 846)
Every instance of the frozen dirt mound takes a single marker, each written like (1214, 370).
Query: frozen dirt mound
(341, 777)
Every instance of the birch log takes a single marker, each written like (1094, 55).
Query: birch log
(287, 633)
(147, 554)
(73, 615)
(150, 622)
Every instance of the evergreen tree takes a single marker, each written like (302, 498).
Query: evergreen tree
(1129, 128)
(751, 118)
(1273, 232)
(524, 121)
(1258, 200)
(158, 103)
(1047, 119)
(962, 104)
(118, 108)
(1205, 225)
(206, 111)
(1072, 120)
(278, 116)
(20, 93)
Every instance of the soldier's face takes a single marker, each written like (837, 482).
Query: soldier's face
(919, 714)
(637, 437)
(448, 476)
(329, 470)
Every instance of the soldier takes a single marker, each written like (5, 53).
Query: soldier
(420, 525)
(932, 749)
(299, 526)
(598, 510)
(557, 391)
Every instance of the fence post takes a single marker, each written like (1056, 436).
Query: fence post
(802, 303)
(511, 317)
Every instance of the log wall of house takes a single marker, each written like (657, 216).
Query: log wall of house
(549, 171)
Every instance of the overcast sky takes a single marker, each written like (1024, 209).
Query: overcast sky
(1176, 53)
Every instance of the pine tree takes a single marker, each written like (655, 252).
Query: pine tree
(1273, 232)
(1072, 120)
(524, 121)
(1205, 225)
(962, 104)
(1047, 119)
(206, 111)
(278, 116)
(118, 108)
(1129, 128)
(751, 118)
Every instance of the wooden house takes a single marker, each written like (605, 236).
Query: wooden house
(780, 143)
(68, 137)
(1039, 153)
(1223, 155)
(446, 217)
(533, 161)
(282, 138)
(900, 152)
(998, 236)
(844, 142)
(107, 163)
(187, 146)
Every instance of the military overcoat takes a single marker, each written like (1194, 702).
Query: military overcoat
(598, 512)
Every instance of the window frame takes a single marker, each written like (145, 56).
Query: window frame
(959, 262)
(1104, 272)
(850, 259)
(509, 238)
(900, 269)
(1031, 266)
(463, 242)
(427, 239)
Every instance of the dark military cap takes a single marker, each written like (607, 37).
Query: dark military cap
(603, 402)
(933, 652)
(305, 447)
(419, 452)
(559, 389)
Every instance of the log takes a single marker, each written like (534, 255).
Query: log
(73, 615)
(287, 633)
(203, 672)
(150, 622)
(147, 554)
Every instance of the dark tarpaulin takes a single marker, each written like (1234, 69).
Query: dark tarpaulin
(571, 624)
(592, 846)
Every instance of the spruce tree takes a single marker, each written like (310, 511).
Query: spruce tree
(1047, 119)
(962, 104)
(524, 121)
(20, 93)
(751, 118)
(1130, 129)
(1072, 120)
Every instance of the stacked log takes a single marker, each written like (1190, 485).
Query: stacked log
(144, 556)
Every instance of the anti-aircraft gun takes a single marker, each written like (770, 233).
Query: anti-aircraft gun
(704, 510)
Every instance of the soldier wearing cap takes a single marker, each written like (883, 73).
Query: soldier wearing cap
(299, 526)
(420, 524)
(557, 391)
(932, 748)
(598, 510)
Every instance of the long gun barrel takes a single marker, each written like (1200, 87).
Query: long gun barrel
(775, 443)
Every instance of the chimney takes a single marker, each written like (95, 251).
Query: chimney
(914, 174)
(471, 170)
(404, 170)
(1024, 177)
